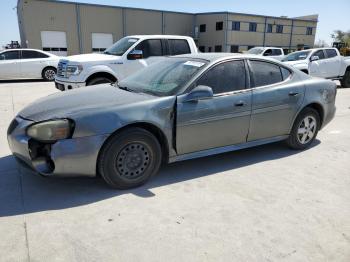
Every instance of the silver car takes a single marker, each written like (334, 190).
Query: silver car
(180, 108)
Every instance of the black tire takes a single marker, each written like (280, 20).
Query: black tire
(129, 158)
(345, 82)
(49, 73)
(295, 138)
(99, 80)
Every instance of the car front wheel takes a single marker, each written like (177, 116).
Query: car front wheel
(49, 74)
(129, 158)
(345, 82)
(305, 129)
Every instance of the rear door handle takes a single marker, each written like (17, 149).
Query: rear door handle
(293, 93)
(240, 103)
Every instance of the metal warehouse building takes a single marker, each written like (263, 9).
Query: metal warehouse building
(69, 28)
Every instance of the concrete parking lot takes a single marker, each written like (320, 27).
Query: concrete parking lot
(261, 204)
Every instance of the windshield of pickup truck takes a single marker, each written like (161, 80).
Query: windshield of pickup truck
(121, 46)
(297, 56)
(163, 78)
(255, 51)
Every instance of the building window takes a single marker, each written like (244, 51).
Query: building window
(252, 27)
(201, 48)
(219, 26)
(202, 28)
(269, 28)
(234, 48)
(309, 30)
(218, 48)
(236, 26)
(279, 29)
(209, 49)
(250, 47)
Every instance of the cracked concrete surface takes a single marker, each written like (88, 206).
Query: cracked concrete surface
(261, 204)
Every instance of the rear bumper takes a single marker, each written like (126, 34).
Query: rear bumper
(329, 114)
(64, 85)
(68, 157)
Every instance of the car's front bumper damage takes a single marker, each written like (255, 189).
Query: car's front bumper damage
(68, 157)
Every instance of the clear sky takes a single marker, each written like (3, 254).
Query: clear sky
(332, 14)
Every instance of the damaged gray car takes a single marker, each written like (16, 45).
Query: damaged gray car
(179, 108)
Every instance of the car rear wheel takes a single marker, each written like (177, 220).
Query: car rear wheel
(49, 74)
(345, 82)
(99, 80)
(305, 129)
(129, 158)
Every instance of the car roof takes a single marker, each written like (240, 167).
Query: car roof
(27, 49)
(160, 36)
(212, 57)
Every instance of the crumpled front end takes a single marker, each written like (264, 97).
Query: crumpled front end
(67, 157)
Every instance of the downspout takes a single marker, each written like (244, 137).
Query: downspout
(163, 24)
(77, 11)
(264, 41)
(291, 35)
(225, 34)
(124, 20)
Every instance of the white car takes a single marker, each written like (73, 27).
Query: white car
(27, 64)
(322, 62)
(272, 52)
(123, 58)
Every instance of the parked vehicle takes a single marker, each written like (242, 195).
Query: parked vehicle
(126, 56)
(180, 108)
(322, 62)
(272, 52)
(27, 64)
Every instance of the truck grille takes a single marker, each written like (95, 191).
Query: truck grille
(61, 68)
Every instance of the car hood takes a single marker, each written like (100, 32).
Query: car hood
(92, 58)
(81, 101)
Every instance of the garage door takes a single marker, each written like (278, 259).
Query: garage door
(101, 41)
(54, 42)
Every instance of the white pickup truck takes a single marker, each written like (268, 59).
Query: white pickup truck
(126, 56)
(322, 62)
(272, 52)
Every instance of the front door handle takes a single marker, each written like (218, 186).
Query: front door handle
(293, 93)
(240, 103)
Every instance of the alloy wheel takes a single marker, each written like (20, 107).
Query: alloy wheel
(307, 129)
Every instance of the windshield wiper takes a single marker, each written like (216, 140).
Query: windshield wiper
(124, 88)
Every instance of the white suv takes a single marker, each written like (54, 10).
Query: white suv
(123, 58)
(272, 52)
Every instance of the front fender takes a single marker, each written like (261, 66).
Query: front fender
(99, 69)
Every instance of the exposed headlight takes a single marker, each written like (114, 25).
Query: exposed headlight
(52, 130)
(74, 70)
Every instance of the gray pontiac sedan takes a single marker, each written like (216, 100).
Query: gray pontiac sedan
(179, 108)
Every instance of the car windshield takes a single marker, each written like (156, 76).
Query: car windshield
(163, 78)
(255, 50)
(297, 56)
(121, 46)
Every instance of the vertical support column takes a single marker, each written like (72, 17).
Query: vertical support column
(77, 12)
(291, 35)
(225, 34)
(124, 21)
(163, 24)
(264, 41)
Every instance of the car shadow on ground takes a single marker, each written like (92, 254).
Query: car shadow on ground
(22, 191)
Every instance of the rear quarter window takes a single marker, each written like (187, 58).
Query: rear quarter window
(264, 73)
(331, 53)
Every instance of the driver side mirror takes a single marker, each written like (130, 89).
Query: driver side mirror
(198, 93)
(135, 54)
(314, 58)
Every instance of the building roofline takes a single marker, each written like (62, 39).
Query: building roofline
(176, 12)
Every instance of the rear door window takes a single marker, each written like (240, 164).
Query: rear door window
(30, 54)
(178, 47)
(331, 53)
(276, 52)
(264, 73)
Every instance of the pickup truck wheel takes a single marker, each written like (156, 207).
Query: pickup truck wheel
(49, 73)
(129, 158)
(345, 82)
(99, 80)
(305, 129)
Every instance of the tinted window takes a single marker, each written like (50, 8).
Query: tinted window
(202, 28)
(279, 29)
(9, 55)
(202, 48)
(252, 27)
(320, 54)
(219, 26)
(218, 48)
(276, 52)
(178, 47)
(151, 47)
(265, 73)
(225, 77)
(331, 53)
(269, 28)
(268, 52)
(285, 73)
(236, 26)
(29, 54)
